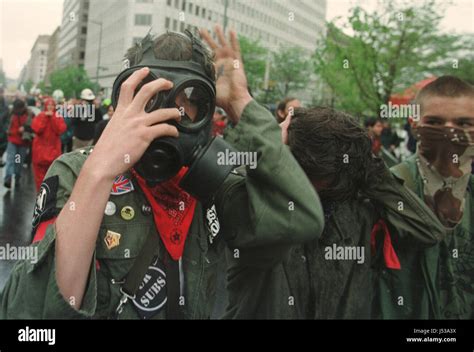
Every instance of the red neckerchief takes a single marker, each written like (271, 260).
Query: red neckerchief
(173, 211)
(390, 257)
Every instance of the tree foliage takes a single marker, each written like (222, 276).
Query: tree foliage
(387, 51)
(71, 80)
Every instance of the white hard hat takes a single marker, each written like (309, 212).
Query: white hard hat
(87, 94)
(58, 95)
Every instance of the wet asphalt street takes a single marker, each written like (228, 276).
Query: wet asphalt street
(16, 210)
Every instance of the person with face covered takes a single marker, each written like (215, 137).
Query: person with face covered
(48, 127)
(135, 226)
(438, 282)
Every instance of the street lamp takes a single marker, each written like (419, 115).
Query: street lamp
(98, 51)
(226, 5)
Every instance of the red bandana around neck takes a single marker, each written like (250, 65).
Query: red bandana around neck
(173, 211)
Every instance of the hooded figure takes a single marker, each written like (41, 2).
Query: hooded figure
(18, 141)
(48, 127)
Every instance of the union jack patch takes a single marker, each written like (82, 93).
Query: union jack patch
(122, 185)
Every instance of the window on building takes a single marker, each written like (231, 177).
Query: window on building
(82, 55)
(142, 20)
(203, 13)
(181, 26)
(197, 10)
(167, 22)
(84, 30)
(168, 2)
(175, 25)
(176, 4)
(183, 6)
(190, 7)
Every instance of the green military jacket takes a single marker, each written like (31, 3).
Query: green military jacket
(312, 283)
(437, 282)
(252, 213)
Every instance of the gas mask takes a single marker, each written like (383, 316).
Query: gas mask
(194, 94)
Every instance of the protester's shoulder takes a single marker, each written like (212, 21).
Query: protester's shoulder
(405, 169)
(72, 162)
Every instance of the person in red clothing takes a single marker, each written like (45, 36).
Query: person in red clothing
(219, 122)
(17, 141)
(48, 127)
(374, 129)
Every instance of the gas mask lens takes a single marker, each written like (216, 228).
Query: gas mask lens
(157, 100)
(193, 101)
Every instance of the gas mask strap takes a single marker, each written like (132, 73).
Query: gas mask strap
(198, 50)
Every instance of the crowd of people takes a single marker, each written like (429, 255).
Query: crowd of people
(37, 129)
(40, 128)
(322, 228)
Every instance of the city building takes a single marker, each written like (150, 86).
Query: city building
(115, 25)
(73, 32)
(52, 54)
(36, 67)
(22, 76)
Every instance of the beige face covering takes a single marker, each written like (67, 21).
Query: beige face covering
(444, 157)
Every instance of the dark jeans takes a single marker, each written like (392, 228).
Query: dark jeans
(15, 159)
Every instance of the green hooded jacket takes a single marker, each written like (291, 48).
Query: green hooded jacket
(436, 282)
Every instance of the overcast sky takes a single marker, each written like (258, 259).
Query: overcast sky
(21, 21)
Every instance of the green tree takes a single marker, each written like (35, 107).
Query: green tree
(28, 85)
(71, 80)
(463, 68)
(291, 70)
(45, 89)
(390, 48)
(254, 57)
(461, 64)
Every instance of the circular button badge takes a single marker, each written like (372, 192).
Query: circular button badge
(127, 213)
(110, 208)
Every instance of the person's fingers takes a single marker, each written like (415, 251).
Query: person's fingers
(127, 89)
(221, 36)
(284, 128)
(149, 90)
(162, 130)
(235, 44)
(162, 115)
(208, 39)
(286, 122)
